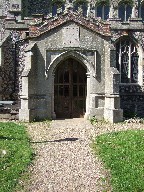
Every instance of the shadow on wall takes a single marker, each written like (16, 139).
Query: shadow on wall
(98, 67)
(132, 100)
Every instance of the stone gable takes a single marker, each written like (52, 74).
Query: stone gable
(95, 25)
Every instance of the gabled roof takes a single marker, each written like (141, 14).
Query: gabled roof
(94, 25)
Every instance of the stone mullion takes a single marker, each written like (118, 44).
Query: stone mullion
(95, 60)
(129, 55)
(120, 65)
(88, 96)
(125, 16)
(103, 12)
(52, 98)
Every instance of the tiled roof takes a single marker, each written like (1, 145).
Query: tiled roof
(100, 27)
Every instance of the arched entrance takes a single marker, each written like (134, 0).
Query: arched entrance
(70, 89)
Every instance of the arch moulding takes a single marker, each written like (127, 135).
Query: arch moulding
(73, 54)
(50, 71)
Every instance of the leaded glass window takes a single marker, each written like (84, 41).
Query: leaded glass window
(102, 11)
(142, 11)
(127, 60)
(134, 67)
(124, 11)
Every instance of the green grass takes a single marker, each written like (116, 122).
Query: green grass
(123, 154)
(15, 143)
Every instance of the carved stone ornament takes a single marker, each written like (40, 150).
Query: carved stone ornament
(15, 36)
(117, 34)
(140, 37)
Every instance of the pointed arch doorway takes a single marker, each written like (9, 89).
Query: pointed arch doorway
(70, 89)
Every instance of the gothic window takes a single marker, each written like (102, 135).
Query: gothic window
(102, 10)
(55, 5)
(127, 60)
(54, 10)
(142, 11)
(80, 4)
(84, 7)
(124, 11)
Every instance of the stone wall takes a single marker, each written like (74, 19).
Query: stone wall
(132, 100)
(20, 64)
(8, 71)
(12, 67)
(30, 7)
(4, 6)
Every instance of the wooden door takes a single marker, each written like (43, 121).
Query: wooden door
(70, 89)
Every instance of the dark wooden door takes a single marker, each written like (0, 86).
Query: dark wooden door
(70, 89)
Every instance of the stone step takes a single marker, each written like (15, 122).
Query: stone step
(9, 116)
(5, 116)
(9, 110)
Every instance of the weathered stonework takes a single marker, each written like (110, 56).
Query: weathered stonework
(140, 37)
(8, 71)
(34, 47)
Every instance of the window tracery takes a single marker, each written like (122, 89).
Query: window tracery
(127, 60)
(141, 14)
(102, 10)
(125, 10)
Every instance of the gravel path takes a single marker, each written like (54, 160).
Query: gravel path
(64, 160)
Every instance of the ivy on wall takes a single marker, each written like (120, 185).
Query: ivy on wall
(80, 2)
(102, 2)
(107, 2)
(97, 2)
(58, 2)
(30, 7)
(126, 2)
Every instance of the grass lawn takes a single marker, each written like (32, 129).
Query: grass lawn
(15, 154)
(123, 154)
